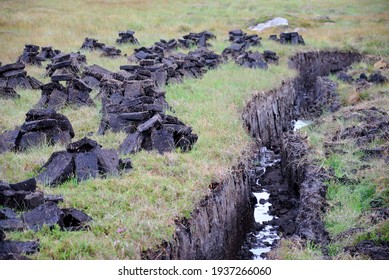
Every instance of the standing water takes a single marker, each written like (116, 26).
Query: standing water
(261, 239)
(265, 177)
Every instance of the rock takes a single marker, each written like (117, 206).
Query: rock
(86, 166)
(57, 170)
(278, 21)
(46, 214)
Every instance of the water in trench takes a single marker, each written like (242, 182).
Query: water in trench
(265, 176)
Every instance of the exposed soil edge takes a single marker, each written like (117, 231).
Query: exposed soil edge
(217, 225)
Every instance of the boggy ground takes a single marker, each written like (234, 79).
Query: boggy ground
(350, 146)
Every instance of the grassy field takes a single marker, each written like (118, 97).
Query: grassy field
(136, 211)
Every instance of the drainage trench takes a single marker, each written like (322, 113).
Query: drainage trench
(290, 194)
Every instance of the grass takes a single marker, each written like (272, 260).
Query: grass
(355, 182)
(137, 210)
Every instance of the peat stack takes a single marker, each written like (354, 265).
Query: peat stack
(167, 45)
(196, 39)
(93, 74)
(127, 104)
(173, 68)
(65, 67)
(19, 196)
(241, 38)
(82, 160)
(30, 55)
(162, 133)
(13, 75)
(292, 38)
(8, 93)
(16, 250)
(41, 126)
(91, 44)
(127, 37)
(48, 53)
(251, 60)
(109, 51)
(56, 96)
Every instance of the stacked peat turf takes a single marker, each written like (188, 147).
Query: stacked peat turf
(13, 75)
(127, 104)
(270, 57)
(82, 160)
(19, 196)
(8, 93)
(109, 51)
(292, 38)
(196, 39)
(93, 74)
(48, 53)
(16, 250)
(127, 37)
(167, 45)
(162, 133)
(91, 44)
(30, 55)
(251, 60)
(44, 211)
(56, 96)
(239, 37)
(172, 68)
(41, 126)
(65, 67)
